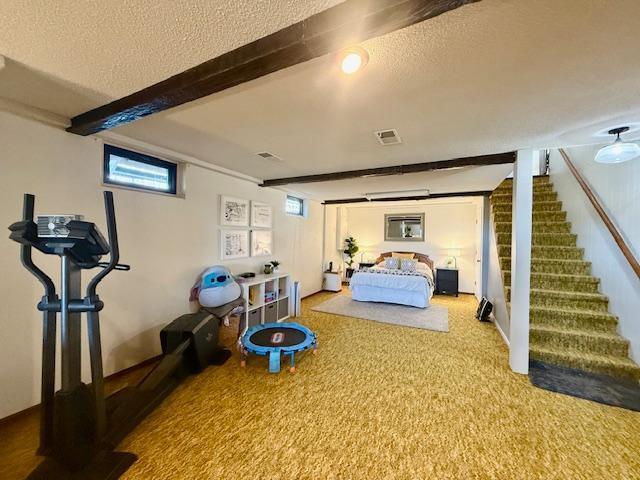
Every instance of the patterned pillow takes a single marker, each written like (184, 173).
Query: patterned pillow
(407, 265)
(392, 263)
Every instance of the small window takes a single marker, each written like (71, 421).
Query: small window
(136, 170)
(294, 206)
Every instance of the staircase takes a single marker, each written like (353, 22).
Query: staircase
(570, 323)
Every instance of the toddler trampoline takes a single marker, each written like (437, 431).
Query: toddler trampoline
(277, 339)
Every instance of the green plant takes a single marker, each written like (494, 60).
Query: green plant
(275, 264)
(350, 249)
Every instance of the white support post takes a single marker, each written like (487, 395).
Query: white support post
(521, 260)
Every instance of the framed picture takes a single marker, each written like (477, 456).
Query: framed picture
(261, 243)
(261, 215)
(234, 244)
(234, 212)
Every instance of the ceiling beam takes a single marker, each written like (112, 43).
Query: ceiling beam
(328, 31)
(480, 193)
(493, 159)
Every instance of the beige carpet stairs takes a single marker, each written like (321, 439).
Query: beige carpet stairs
(570, 321)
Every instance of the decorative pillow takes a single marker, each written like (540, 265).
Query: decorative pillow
(408, 256)
(407, 265)
(392, 263)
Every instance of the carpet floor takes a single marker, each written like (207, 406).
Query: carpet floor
(383, 402)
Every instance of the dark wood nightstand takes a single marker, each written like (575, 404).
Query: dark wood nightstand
(447, 281)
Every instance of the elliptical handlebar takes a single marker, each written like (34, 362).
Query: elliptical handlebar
(25, 249)
(112, 232)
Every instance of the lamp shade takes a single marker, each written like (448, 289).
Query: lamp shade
(618, 152)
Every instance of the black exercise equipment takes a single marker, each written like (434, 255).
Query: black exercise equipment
(79, 427)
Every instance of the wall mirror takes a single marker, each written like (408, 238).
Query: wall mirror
(405, 227)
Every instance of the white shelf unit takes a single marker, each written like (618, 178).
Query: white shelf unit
(259, 310)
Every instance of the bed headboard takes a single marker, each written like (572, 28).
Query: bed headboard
(421, 257)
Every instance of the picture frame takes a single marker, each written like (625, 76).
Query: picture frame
(234, 212)
(261, 215)
(234, 244)
(261, 243)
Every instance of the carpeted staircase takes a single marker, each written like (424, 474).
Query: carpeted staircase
(570, 322)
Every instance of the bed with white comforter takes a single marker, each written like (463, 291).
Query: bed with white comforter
(379, 284)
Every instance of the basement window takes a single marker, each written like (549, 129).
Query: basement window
(139, 171)
(294, 206)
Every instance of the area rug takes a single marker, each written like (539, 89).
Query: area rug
(433, 317)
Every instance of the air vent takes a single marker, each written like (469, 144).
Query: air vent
(388, 137)
(269, 156)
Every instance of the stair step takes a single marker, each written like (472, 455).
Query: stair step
(593, 302)
(537, 180)
(600, 343)
(574, 319)
(607, 364)
(537, 207)
(552, 265)
(559, 282)
(537, 187)
(546, 251)
(537, 227)
(550, 239)
(559, 216)
(507, 197)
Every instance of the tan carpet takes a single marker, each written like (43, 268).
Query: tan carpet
(434, 317)
(382, 402)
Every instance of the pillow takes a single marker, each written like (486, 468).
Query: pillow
(392, 263)
(408, 256)
(407, 265)
(422, 266)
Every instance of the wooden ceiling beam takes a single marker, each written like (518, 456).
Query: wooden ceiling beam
(328, 31)
(480, 193)
(493, 159)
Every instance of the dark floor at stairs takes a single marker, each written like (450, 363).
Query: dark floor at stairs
(571, 325)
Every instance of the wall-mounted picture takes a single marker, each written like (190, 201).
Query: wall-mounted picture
(261, 243)
(235, 244)
(261, 215)
(234, 212)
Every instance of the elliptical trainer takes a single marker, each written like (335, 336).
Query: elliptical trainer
(79, 427)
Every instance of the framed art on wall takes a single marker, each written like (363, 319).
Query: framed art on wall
(261, 215)
(234, 244)
(261, 243)
(234, 211)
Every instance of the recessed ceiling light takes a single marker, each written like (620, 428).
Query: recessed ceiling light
(352, 59)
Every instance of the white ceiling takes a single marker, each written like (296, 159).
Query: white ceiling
(490, 77)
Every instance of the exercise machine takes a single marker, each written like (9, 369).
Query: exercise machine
(80, 427)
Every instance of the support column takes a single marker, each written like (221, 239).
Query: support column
(521, 260)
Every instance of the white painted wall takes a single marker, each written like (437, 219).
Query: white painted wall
(449, 223)
(618, 187)
(168, 241)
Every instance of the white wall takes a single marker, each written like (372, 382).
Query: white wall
(449, 223)
(618, 187)
(168, 241)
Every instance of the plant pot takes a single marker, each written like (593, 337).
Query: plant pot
(268, 269)
(349, 272)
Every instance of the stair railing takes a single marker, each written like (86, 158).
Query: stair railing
(593, 198)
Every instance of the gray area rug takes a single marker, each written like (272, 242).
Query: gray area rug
(433, 317)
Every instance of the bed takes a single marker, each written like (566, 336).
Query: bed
(378, 284)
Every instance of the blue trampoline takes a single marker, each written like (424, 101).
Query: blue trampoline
(277, 339)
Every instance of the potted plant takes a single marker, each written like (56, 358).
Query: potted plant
(350, 250)
(276, 266)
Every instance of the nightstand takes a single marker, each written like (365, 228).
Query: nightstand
(447, 281)
(366, 265)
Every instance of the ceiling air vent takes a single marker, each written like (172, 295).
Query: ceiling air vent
(388, 137)
(269, 156)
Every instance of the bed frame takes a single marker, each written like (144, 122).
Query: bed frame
(420, 257)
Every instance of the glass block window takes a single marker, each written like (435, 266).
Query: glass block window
(136, 170)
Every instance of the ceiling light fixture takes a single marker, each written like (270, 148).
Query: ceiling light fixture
(619, 151)
(423, 192)
(352, 59)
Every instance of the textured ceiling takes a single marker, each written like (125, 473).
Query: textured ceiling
(490, 77)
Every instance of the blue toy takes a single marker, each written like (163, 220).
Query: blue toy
(276, 339)
(217, 287)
